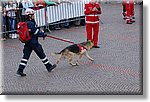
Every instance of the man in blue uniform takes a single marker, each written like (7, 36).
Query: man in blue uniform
(33, 45)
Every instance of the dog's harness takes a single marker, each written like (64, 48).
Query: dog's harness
(81, 47)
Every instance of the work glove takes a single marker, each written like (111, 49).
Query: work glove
(44, 36)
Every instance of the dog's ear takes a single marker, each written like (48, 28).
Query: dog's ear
(92, 41)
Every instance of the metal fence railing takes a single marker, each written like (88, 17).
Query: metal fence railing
(64, 12)
(53, 14)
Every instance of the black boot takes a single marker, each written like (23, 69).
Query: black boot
(128, 22)
(95, 47)
(20, 72)
(51, 67)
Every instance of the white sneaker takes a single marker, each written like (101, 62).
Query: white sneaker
(13, 36)
(10, 36)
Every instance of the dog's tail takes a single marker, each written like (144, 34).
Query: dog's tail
(56, 54)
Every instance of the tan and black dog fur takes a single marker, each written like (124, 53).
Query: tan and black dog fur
(75, 49)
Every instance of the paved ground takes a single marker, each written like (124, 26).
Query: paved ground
(117, 68)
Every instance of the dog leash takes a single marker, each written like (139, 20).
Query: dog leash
(64, 40)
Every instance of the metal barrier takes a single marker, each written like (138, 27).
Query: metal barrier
(58, 14)
(40, 17)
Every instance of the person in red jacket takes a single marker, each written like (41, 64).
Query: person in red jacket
(130, 11)
(92, 11)
(38, 4)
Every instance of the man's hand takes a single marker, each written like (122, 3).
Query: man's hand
(95, 9)
(44, 36)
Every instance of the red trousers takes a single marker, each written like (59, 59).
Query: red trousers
(130, 10)
(92, 32)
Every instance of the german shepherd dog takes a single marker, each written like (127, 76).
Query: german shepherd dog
(75, 49)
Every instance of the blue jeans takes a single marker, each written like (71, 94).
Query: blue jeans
(12, 23)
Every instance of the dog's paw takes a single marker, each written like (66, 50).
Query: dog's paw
(92, 59)
(73, 64)
(77, 64)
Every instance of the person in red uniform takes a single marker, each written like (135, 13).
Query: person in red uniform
(130, 11)
(92, 11)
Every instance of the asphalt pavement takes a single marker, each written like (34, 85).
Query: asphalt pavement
(117, 66)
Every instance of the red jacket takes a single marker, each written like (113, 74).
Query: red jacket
(92, 16)
(41, 3)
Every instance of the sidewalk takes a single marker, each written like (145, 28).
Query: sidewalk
(117, 68)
